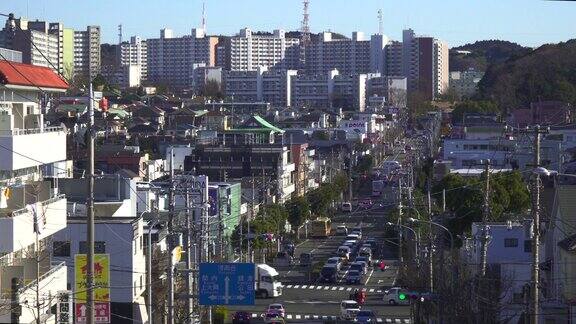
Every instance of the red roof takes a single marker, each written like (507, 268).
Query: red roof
(12, 73)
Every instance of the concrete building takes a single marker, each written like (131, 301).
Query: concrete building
(11, 55)
(260, 85)
(249, 50)
(31, 207)
(87, 52)
(349, 56)
(464, 84)
(330, 90)
(171, 59)
(135, 53)
(202, 75)
(422, 60)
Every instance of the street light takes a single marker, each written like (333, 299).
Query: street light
(413, 220)
(413, 231)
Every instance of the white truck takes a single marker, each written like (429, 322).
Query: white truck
(266, 280)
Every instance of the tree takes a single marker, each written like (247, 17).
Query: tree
(212, 89)
(298, 211)
(365, 164)
(472, 106)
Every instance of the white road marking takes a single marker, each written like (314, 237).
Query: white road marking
(349, 289)
(289, 286)
(304, 286)
(371, 290)
(319, 287)
(388, 320)
(369, 276)
(312, 287)
(379, 320)
(326, 288)
(334, 288)
(341, 288)
(398, 320)
(297, 286)
(298, 317)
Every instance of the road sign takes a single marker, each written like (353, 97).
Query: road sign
(226, 284)
(101, 290)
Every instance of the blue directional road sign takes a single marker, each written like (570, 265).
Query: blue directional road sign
(226, 284)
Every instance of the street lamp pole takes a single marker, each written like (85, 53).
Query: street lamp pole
(436, 224)
(413, 231)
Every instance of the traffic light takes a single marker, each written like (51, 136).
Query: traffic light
(402, 296)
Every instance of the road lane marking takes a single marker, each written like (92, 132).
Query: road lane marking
(349, 289)
(289, 316)
(388, 320)
(289, 286)
(312, 287)
(298, 317)
(398, 320)
(369, 276)
(341, 288)
(371, 290)
(326, 288)
(319, 287)
(297, 286)
(304, 286)
(379, 320)
(334, 288)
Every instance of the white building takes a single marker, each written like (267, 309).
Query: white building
(87, 51)
(349, 56)
(260, 85)
(171, 59)
(249, 50)
(135, 53)
(32, 209)
(465, 83)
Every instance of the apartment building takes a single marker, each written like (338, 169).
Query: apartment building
(135, 53)
(249, 50)
(464, 84)
(332, 89)
(349, 56)
(87, 52)
(260, 85)
(32, 209)
(171, 59)
(422, 60)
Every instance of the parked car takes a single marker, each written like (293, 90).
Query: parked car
(366, 316)
(336, 261)
(277, 308)
(358, 266)
(364, 259)
(283, 259)
(365, 203)
(329, 273)
(346, 207)
(396, 296)
(341, 230)
(241, 317)
(306, 258)
(344, 252)
(354, 277)
(349, 309)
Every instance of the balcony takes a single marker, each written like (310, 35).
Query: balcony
(17, 226)
(25, 148)
(51, 281)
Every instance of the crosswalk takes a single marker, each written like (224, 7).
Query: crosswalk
(296, 317)
(332, 288)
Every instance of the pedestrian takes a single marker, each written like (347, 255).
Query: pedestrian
(382, 265)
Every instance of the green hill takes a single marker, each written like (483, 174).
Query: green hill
(547, 73)
(484, 54)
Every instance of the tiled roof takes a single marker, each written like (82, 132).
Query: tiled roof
(12, 73)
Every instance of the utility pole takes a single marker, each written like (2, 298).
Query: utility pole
(536, 227)
(188, 257)
(90, 214)
(486, 212)
(400, 247)
(171, 246)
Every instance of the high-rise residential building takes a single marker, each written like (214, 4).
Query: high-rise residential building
(40, 42)
(330, 90)
(422, 60)
(348, 56)
(135, 53)
(87, 52)
(464, 84)
(261, 85)
(171, 60)
(249, 50)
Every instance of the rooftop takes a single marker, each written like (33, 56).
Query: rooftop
(18, 74)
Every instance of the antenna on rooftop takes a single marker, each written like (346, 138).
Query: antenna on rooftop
(204, 16)
(380, 22)
(120, 34)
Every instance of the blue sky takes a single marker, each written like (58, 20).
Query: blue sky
(528, 22)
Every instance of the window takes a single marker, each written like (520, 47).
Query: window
(511, 242)
(99, 247)
(528, 246)
(61, 248)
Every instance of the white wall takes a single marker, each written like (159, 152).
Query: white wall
(24, 151)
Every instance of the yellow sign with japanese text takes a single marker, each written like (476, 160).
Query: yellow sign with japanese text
(101, 277)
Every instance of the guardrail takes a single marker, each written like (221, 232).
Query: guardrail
(25, 210)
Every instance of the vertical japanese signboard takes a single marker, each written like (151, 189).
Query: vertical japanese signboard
(101, 289)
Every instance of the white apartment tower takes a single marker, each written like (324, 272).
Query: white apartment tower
(250, 50)
(87, 51)
(135, 53)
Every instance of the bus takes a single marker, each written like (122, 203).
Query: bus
(321, 227)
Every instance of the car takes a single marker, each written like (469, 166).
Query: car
(306, 258)
(241, 317)
(354, 237)
(351, 244)
(365, 203)
(349, 309)
(365, 251)
(346, 207)
(273, 318)
(396, 296)
(354, 277)
(277, 308)
(283, 259)
(288, 247)
(341, 230)
(363, 263)
(329, 273)
(365, 316)
(336, 261)
(358, 266)
(365, 259)
(344, 252)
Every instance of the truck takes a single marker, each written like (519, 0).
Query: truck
(266, 281)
